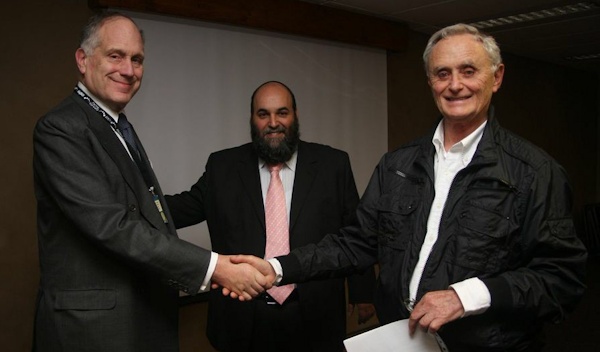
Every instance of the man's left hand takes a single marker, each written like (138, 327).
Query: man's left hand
(435, 309)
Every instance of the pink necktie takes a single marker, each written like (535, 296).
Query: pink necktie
(278, 238)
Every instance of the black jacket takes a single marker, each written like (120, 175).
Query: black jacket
(506, 221)
(228, 196)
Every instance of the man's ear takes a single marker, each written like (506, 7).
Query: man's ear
(81, 59)
(498, 76)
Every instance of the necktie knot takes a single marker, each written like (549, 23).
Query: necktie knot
(275, 168)
(122, 123)
(127, 133)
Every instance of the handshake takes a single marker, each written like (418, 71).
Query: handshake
(242, 277)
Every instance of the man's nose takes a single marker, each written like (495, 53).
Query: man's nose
(273, 122)
(456, 82)
(126, 67)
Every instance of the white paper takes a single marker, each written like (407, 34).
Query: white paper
(392, 337)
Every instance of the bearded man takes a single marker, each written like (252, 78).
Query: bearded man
(318, 196)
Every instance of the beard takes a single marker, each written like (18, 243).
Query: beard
(276, 151)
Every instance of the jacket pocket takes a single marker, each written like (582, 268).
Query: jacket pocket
(562, 228)
(482, 240)
(100, 299)
(396, 220)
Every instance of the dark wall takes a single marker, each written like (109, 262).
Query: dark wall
(37, 70)
(557, 109)
(554, 107)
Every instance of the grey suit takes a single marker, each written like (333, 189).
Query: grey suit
(107, 259)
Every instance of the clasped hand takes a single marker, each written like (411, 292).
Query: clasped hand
(242, 277)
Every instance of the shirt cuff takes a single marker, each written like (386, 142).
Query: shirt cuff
(211, 269)
(474, 296)
(278, 270)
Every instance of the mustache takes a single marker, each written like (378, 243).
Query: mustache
(278, 129)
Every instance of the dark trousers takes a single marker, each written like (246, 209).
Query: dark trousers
(279, 327)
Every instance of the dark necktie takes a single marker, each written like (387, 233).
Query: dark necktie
(127, 133)
(142, 163)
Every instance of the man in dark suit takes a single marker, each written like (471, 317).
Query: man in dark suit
(107, 245)
(321, 197)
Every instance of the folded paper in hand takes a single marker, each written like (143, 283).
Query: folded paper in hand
(390, 338)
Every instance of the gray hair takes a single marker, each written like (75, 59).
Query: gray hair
(488, 42)
(90, 39)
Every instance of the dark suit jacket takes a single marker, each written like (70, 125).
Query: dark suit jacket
(228, 196)
(106, 256)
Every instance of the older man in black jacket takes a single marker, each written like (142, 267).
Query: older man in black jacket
(471, 225)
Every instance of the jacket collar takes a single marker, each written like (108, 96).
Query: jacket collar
(250, 178)
(486, 150)
(306, 171)
(113, 147)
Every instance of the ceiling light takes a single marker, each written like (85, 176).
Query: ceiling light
(537, 15)
(584, 57)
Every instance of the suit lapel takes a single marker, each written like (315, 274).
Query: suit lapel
(306, 171)
(150, 208)
(250, 178)
(131, 174)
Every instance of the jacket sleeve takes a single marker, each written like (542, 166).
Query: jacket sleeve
(361, 286)
(84, 195)
(550, 281)
(351, 251)
(187, 208)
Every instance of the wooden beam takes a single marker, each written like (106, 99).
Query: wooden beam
(286, 16)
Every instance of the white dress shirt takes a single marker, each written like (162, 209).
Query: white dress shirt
(473, 293)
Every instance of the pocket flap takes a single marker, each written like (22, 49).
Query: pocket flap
(397, 204)
(85, 299)
(484, 222)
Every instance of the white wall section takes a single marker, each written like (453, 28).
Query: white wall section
(198, 79)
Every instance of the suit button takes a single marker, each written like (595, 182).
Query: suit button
(132, 207)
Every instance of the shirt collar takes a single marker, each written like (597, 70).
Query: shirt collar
(112, 113)
(438, 138)
(466, 147)
(290, 164)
